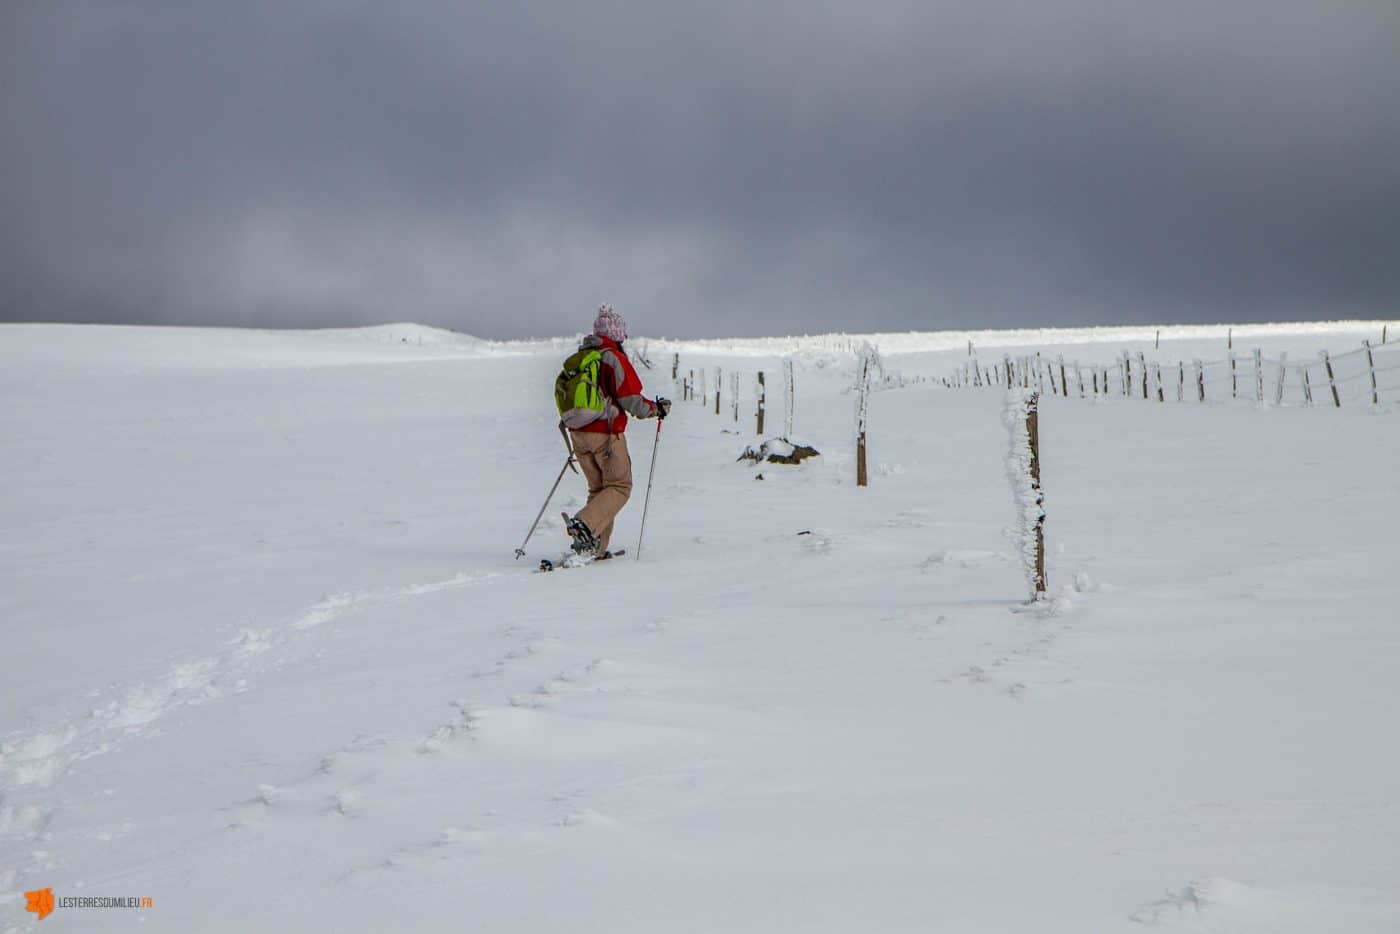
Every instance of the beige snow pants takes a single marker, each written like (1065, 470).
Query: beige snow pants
(608, 468)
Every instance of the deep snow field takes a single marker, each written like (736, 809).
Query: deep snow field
(268, 659)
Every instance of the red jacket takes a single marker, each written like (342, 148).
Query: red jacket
(621, 385)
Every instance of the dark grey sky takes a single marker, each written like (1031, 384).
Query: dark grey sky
(710, 168)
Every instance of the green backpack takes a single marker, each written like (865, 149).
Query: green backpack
(578, 393)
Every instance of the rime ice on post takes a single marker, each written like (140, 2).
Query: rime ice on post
(1022, 419)
(862, 410)
(789, 403)
(762, 403)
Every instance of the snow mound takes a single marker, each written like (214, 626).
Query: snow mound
(779, 451)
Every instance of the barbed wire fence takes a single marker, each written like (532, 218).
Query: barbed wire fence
(1366, 375)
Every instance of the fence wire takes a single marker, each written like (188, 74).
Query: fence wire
(1369, 374)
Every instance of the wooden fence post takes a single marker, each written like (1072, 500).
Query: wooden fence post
(1181, 381)
(1064, 383)
(690, 392)
(1033, 435)
(1125, 374)
(1157, 341)
(1051, 370)
(1157, 370)
(719, 385)
(1258, 376)
(1230, 339)
(863, 408)
(1096, 381)
(1331, 380)
(1079, 375)
(789, 403)
(1234, 379)
(1307, 384)
(1371, 365)
(762, 402)
(1282, 374)
(675, 366)
(1200, 379)
(1142, 365)
(704, 389)
(734, 392)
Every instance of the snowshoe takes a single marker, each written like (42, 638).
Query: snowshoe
(573, 560)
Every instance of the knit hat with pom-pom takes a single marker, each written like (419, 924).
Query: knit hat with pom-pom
(610, 324)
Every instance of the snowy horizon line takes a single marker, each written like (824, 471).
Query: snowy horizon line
(909, 340)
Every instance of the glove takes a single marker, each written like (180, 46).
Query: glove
(663, 407)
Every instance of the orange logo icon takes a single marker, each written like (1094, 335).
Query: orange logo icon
(40, 901)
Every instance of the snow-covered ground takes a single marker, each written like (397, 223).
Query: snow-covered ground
(268, 660)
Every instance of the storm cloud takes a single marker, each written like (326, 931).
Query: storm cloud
(720, 168)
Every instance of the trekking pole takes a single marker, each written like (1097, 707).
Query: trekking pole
(568, 446)
(520, 552)
(651, 475)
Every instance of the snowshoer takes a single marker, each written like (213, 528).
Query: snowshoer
(596, 392)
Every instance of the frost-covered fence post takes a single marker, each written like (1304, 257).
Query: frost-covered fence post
(789, 403)
(704, 390)
(1200, 379)
(690, 383)
(1064, 383)
(1181, 381)
(1331, 379)
(762, 402)
(1006, 362)
(1022, 418)
(1371, 365)
(1157, 341)
(734, 392)
(1096, 381)
(1039, 373)
(1142, 365)
(1258, 376)
(1307, 384)
(719, 385)
(1125, 374)
(675, 365)
(862, 410)
(1230, 339)
(1054, 391)
(1079, 375)
(1157, 374)
(1234, 378)
(1282, 375)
